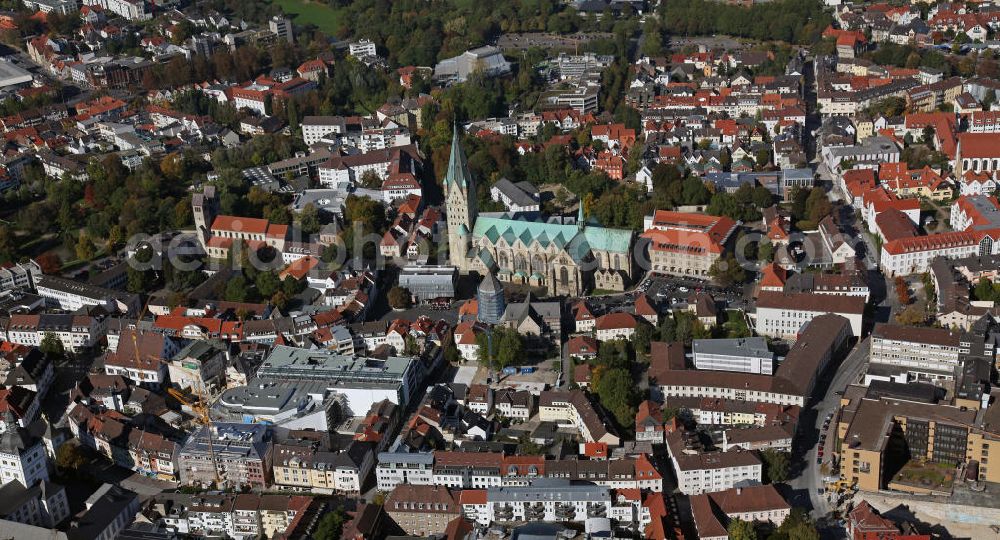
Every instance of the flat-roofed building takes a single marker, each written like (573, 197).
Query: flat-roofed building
(362, 381)
(72, 295)
(744, 355)
(236, 454)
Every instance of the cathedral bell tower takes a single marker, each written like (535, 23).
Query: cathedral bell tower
(460, 206)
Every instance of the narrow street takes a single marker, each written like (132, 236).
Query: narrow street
(811, 478)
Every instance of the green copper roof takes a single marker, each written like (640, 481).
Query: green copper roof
(591, 237)
(458, 168)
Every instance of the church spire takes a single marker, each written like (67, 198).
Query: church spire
(580, 221)
(458, 169)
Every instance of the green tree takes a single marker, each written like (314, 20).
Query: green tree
(236, 289)
(742, 530)
(776, 464)
(797, 526)
(138, 281)
(331, 525)
(727, 271)
(510, 348)
(8, 250)
(84, 248)
(618, 394)
(309, 221)
(399, 298)
(70, 458)
(642, 338)
(51, 346)
(267, 284)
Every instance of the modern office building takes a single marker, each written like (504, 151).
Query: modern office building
(744, 355)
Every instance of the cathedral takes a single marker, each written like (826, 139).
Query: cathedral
(564, 255)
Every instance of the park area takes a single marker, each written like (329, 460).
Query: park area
(325, 17)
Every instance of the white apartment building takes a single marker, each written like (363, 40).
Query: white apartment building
(360, 49)
(22, 457)
(705, 472)
(315, 128)
(548, 500)
(133, 10)
(396, 468)
(19, 276)
(743, 355)
(76, 332)
(72, 295)
(783, 315)
(908, 353)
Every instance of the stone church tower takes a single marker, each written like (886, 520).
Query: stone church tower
(204, 206)
(460, 205)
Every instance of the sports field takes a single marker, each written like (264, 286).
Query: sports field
(319, 13)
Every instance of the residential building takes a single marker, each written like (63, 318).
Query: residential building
(227, 454)
(878, 431)
(76, 332)
(422, 510)
(199, 364)
(19, 276)
(42, 505)
(305, 464)
(713, 512)
(544, 500)
(575, 408)
(281, 27)
(906, 353)
(140, 357)
(701, 472)
(618, 325)
(108, 511)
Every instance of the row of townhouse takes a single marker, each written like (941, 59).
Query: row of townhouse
(482, 470)
(76, 332)
(126, 445)
(242, 517)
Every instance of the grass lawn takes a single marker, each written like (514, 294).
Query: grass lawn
(322, 15)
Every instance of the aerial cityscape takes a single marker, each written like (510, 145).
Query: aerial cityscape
(526, 270)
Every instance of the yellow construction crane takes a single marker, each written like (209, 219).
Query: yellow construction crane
(199, 408)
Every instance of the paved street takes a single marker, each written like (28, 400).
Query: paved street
(811, 478)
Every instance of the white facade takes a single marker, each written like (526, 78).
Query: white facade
(133, 10)
(786, 323)
(748, 355)
(28, 466)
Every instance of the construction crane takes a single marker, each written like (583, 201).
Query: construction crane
(199, 407)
